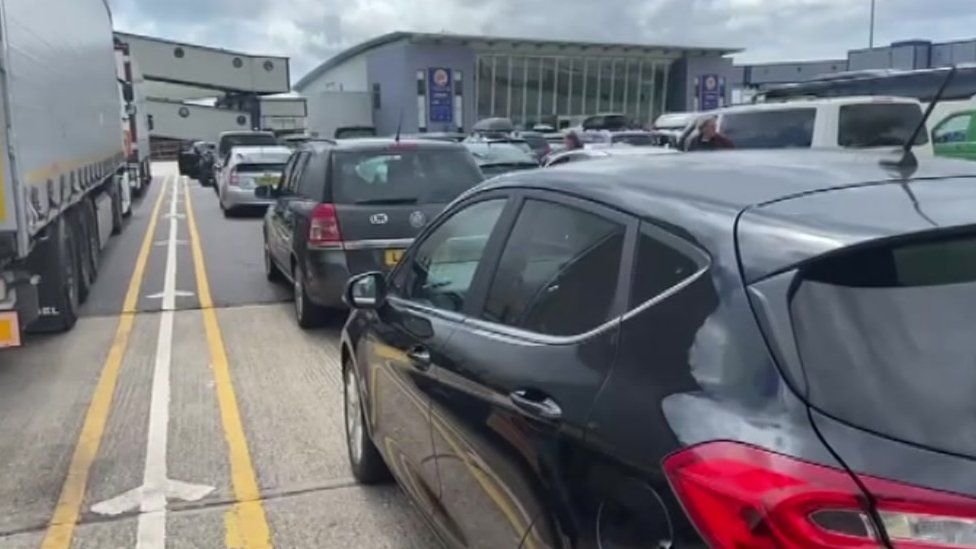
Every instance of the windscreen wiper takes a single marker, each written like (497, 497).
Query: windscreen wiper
(385, 201)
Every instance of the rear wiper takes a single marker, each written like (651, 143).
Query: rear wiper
(386, 201)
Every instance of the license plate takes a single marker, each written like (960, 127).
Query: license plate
(392, 257)
(9, 330)
(268, 180)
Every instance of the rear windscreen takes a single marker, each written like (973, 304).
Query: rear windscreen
(260, 168)
(536, 141)
(772, 129)
(886, 338)
(246, 140)
(637, 140)
(879, 125)
(407, 176)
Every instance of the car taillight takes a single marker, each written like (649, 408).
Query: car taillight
(234, 180)
(741, 496)
(324, 227)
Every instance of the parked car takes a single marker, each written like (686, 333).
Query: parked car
(248, 168)
(588, 153)
(229, 140)
(749, 349)
(188, 159)
(955, 136)
(353, 206)
(608, 121)
(498, 158)
(835, 123)
(493, 127)
(205, 162)
(451, 137)
(518, 142)
(636, 138)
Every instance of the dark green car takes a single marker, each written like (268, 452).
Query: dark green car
(955, 136)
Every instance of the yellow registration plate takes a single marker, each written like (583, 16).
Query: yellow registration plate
(9, 330)
(268, 180)
(392, 257)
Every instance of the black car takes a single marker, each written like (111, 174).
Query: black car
(353, 206)
(746, 350)
(189, 157)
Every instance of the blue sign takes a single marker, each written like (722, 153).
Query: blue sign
(440, 95)
(711, 92)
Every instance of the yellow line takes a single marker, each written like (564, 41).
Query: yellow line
(62, 525)
(245, 520)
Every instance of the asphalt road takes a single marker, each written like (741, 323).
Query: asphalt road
(199, 376)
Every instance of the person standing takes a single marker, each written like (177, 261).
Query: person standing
(572, 141)
(708, 138)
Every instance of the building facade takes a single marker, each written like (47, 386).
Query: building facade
(443, 82)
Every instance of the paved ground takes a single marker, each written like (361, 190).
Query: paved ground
(252, 423)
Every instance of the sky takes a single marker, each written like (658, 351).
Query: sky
(311, 31)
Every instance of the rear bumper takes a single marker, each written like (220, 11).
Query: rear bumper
(233, 197)
(327, 270)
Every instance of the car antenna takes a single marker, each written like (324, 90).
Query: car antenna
(908, 161)
(396, 139)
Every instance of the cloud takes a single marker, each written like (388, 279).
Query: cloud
(310, 31)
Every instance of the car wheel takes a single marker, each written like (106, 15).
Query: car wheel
(308, 314)
(271, 271)
(364, 459)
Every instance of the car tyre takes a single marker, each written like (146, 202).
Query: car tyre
(364, 459)
(308, 314)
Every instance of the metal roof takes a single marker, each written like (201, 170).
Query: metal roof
(494, 42)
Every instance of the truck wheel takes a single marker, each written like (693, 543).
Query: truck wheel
(81, 229)
(55, 260)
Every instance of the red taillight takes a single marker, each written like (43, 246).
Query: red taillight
(741, 496)
(324, 227)
(233, 179)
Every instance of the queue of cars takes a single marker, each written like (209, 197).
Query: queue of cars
(648, 348)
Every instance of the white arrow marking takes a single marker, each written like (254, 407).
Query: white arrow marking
(150, 498)
(162, 243)
(176, 293)
(172, 216)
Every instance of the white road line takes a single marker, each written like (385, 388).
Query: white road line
(150, 498)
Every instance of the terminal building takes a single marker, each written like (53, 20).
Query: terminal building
(445, 82)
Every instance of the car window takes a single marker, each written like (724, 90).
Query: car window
(558, 272)
(879, 125)
(635, 139)
(953, 130)
(246, 140)
(659, 267)
(567, 158)
(259, 168)
(422, 176)
(296, 175)
(289, 168)
(772, 129)
(312, 182)
(440, 271)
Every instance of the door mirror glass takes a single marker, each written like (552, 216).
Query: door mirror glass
(366, 291)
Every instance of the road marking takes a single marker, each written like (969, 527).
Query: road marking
(150, 498)
(61, 528)
(245, 521)
(175, 293)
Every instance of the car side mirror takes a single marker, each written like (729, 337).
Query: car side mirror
(266, 191)
(366, 291)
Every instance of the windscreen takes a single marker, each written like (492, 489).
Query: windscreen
(407, 176)
(879, 125)
(536, 141)
(772, 129)
(887, 339)
(637, 140)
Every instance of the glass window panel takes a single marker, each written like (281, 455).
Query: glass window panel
(485, 86)
(619, 85)
(548, 90)
(576, 97)
(501, 86)
(517, 89)
(532, 90)
(591, 105)
(606, 85)
(658, 90)
(564, 77)
(633, 91)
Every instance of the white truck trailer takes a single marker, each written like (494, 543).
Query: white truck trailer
(61, 156)
(135, 119)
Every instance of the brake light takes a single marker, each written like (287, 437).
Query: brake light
(324, 227)
(742, 496)
(233, 179)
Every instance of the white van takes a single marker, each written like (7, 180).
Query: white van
(836, 123)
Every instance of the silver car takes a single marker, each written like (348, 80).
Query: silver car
(247, 169)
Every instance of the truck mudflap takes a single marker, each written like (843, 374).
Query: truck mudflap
(18, 306)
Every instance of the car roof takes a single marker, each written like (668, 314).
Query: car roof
(727, 181)
(380, 143)
(813, 103)
(251, 153)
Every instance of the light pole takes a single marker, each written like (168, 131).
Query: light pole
(871, 34)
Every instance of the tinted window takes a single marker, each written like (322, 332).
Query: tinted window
(312, 183)
(536, 141)
(297, 170)
(441, 269)
(637, 139)
(659, 267)
(879, 125)
(953, 130)
(260, 168)
(559, 270)
(249, 139)
(414, 176)
(775, 129)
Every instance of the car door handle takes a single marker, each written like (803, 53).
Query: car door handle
(536, 404)
(419, 357)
